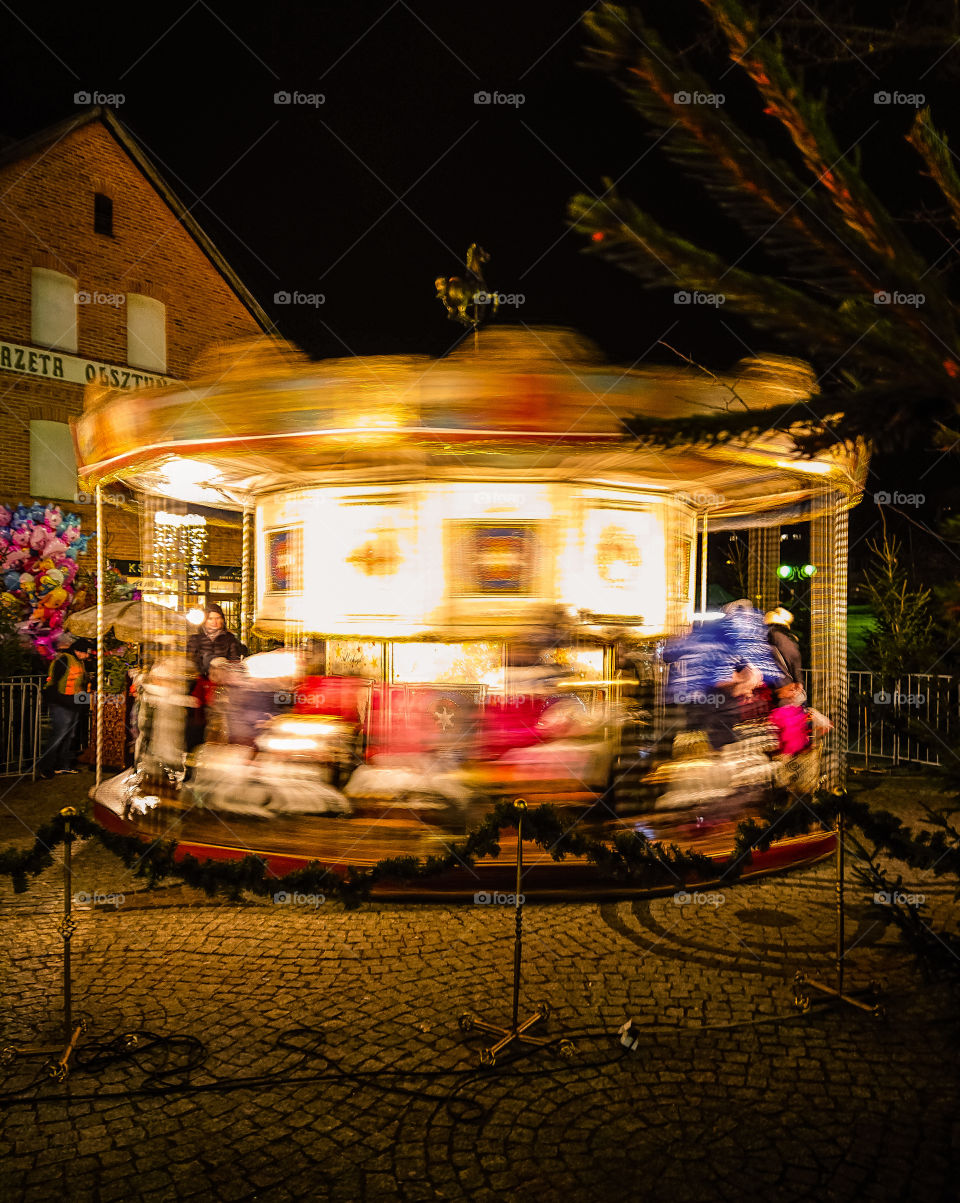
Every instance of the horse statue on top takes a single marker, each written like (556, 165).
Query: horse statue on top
(468, 293)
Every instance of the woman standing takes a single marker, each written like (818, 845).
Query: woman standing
(211, 642)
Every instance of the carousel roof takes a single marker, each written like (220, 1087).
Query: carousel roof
(526, 403)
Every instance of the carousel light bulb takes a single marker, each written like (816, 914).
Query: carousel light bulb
(784, 572)
(183, 475)
(809, 570)
(195, 616)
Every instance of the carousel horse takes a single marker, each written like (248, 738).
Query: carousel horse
(458, 295)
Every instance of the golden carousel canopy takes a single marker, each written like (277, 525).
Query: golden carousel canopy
(531, 403)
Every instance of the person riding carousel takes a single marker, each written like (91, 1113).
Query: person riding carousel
(784, 643)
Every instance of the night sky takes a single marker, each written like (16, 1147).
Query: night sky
(368, 196)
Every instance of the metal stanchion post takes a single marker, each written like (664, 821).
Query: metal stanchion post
(517, 1030)
(801, 983)
(68, 925)
(60, 1066)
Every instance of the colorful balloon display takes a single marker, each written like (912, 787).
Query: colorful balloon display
(39, 546)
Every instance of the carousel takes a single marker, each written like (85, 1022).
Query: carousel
(469, 575)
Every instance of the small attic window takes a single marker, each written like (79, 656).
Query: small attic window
(102, 214)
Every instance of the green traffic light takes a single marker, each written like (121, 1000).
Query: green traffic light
(784, 572)
(809, 569)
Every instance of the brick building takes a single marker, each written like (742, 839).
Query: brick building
(105, 279)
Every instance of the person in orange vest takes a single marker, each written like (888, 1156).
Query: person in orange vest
(67, 699)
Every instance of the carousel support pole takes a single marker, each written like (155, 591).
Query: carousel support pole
(517, 1031)
(246, 592)
(703, 566)
(801, 983)
(764, 556)
(101, 585)
(613, 689)
(828, 629)
(841, 546)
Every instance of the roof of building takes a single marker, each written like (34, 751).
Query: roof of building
(62, 129)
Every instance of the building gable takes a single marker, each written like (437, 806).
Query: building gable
(155, 249)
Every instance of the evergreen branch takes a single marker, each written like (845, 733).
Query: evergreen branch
(734, 395)
(761, 193)
(856, 330)
(815, 425)
(630, 858)
(935, 151)
(806, 123)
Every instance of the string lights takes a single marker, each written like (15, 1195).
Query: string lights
(180, 550)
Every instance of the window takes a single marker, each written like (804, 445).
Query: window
(53, 462)
(53, 312)
(146, 333)
(102, 214)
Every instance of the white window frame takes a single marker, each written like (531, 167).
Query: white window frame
(53, 462)
(146, 333)
(53, 309)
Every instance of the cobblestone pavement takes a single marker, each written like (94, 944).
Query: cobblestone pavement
(334, 1067)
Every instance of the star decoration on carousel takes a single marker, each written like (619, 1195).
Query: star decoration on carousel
(445, 716)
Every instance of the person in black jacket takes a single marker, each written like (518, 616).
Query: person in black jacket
(213, 640)
(784, 644)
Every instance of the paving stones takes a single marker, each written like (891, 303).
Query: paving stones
(730, 1094)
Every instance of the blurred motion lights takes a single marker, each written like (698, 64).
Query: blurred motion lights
(273, 666)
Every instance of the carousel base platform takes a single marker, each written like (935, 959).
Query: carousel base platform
(367, 836)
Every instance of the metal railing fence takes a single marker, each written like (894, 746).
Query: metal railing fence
(21, 704)
(879, 706)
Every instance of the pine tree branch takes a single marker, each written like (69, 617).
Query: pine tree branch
(761, 193)
(815, 424)
(935, 151)
(805, 121)
(735, 396)
(856, 330)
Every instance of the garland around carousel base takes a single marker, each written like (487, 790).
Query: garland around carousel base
(629, 858)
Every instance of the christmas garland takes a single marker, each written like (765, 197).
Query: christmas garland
(629, 858)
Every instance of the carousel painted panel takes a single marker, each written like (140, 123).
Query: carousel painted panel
(364, 569)
(466, 560)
